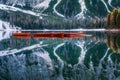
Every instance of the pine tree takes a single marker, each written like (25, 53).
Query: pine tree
(118, 19)
(108, 19)
(113, 19)
(113, 16)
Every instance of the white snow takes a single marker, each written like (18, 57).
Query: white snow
(7, 30)
(44, 4)
(11, 8)
(9, 52)
(4, 35)
(54, 8)
(105, 6)
(46, 57)
(5, 24)
(105, 55)
(109, 2)
(14, 3)
(83, 10)
(7, 27)
(60, 60)
(58, 46)
(80, 44)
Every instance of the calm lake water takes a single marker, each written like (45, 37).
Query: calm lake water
(94, 57)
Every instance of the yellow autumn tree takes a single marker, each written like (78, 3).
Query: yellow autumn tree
(113, 19)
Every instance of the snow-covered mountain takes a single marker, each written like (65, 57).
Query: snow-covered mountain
(29, 4)
(21, 2)
(56, 13)
(67, 8)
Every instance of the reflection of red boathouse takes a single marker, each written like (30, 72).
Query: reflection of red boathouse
(21, 35)
(59, 35)
(51, 35)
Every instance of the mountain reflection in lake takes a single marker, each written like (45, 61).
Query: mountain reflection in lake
(90, 58)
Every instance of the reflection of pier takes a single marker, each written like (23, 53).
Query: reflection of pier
(51, 35)
(21, 35)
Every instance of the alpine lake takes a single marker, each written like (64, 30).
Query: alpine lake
(95, 56)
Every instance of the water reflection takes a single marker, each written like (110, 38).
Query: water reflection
(5, 35)
(88, 58)
(113, 41)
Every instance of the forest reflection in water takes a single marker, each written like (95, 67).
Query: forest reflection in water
(89, 58)
(113, 41)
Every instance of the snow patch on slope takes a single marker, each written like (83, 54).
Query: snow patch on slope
(11, 8)
(4, 24)
(105, 6)
(7, 30)
(109, 2)
(54, 8)
(61, 62)
(83, 10)
(13, 51)
(14, 3)
(5, 35)
(44, 5)
(45, 55)
(29, 3)
(83, 51)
